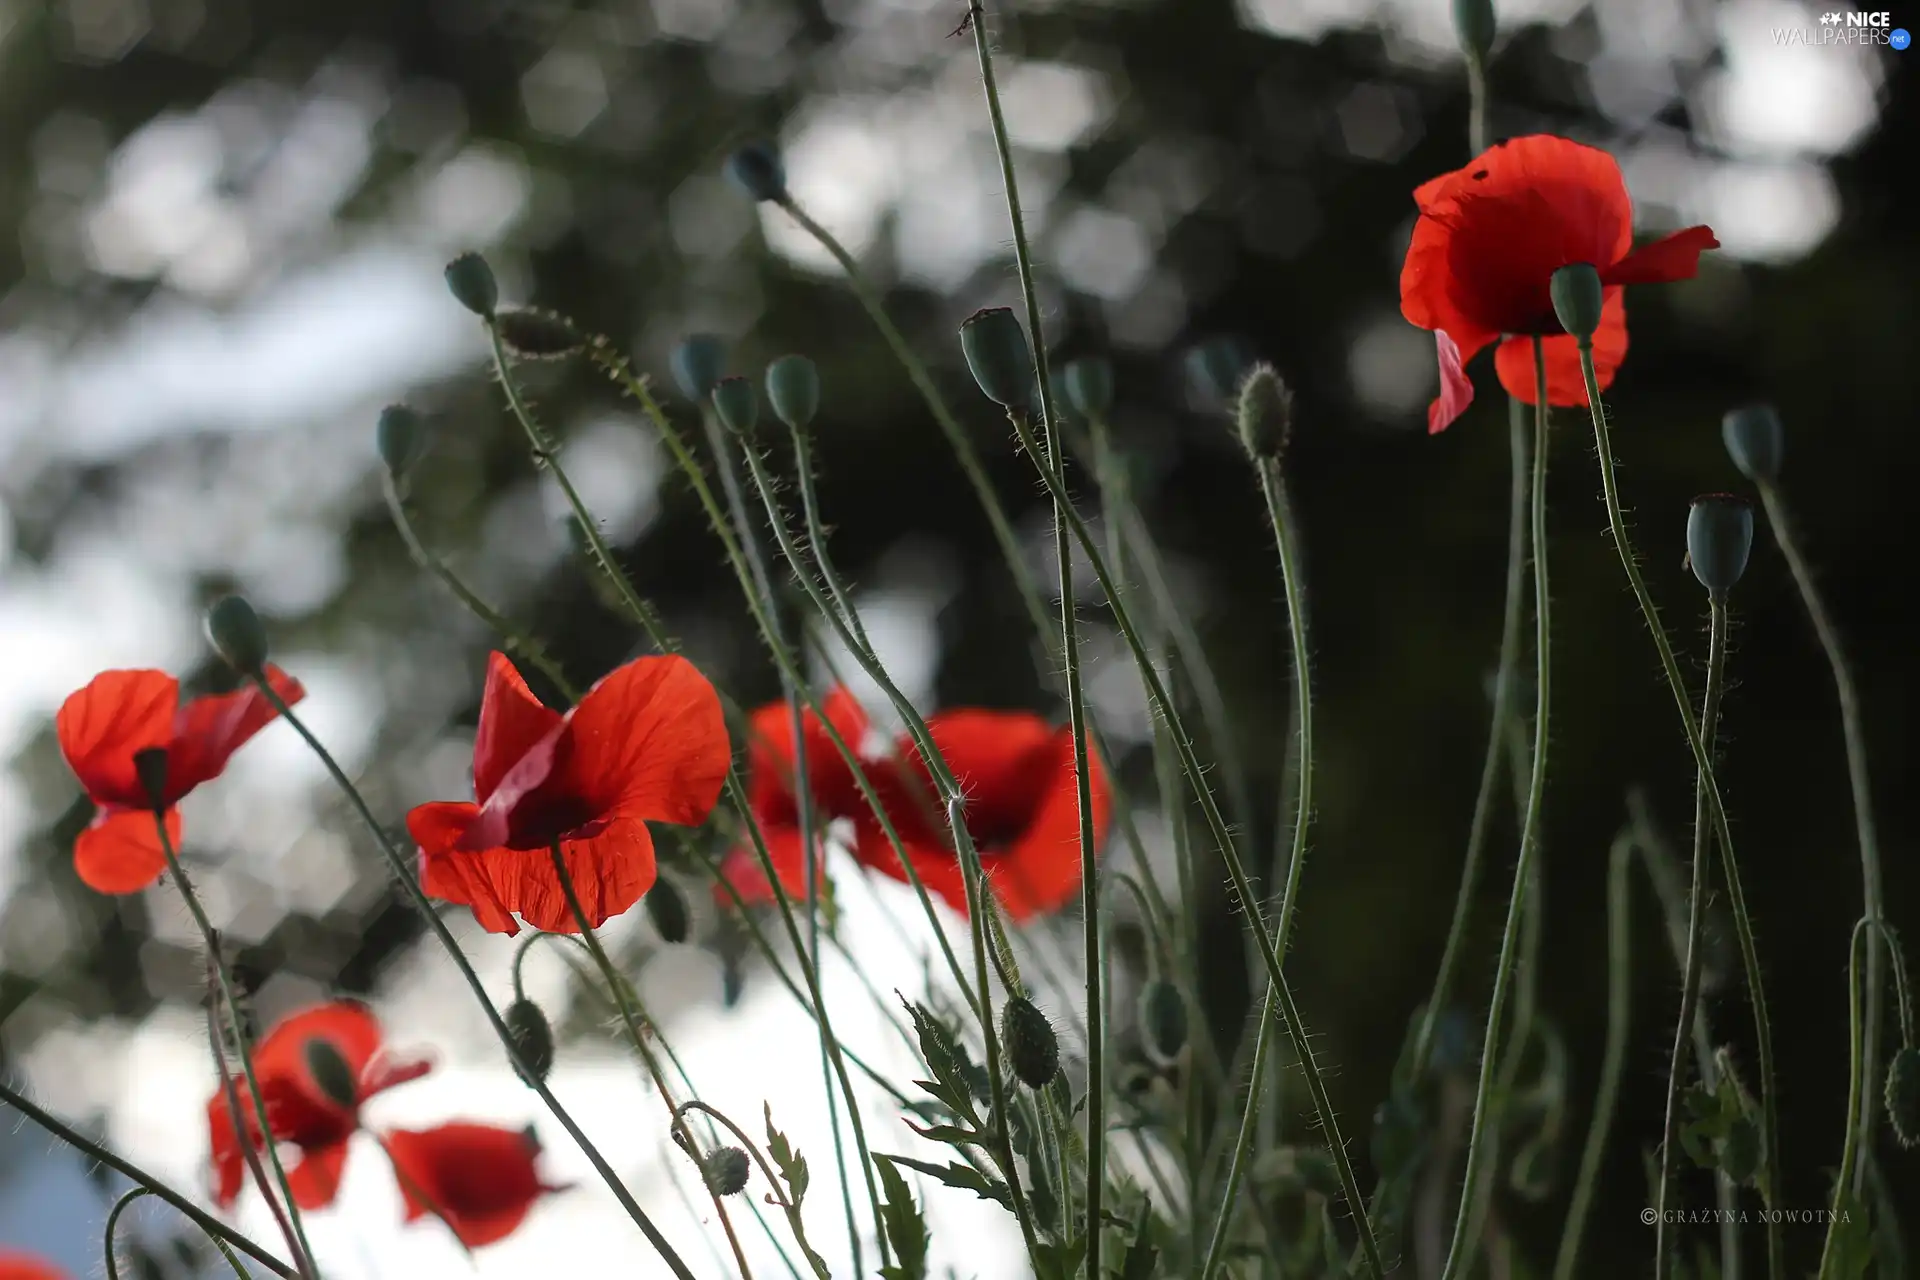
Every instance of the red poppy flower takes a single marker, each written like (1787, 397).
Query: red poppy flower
(123, 713)
(647, 743)
(299, 1110)
(1486, 244)
(25, 1266)
(1022, 810)
(478, 1179)
(773, 803)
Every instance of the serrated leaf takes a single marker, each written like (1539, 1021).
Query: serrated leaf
(792, 1165)
(906, 1227)
(952, 1134)
(960, 1177)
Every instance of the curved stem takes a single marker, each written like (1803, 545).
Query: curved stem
(1477, 1137)
(230, 1089)
(1703, 762)
(776, 1192)
(1843, 1191)
(1696, 922)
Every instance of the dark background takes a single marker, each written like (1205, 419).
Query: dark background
(1293, 240)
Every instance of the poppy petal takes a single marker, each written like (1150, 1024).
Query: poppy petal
(741, 868)
(1040, 873)
(449, 871)
(1456, 388)
(347, 1025)
(24, 1266)
(1677, 257)
(120, 852)
(649, 741)
(227, 1160)
(478, 1179)
(103, 725)
(938, 868)
(1001, 761)
(207, 731)
(513, 723)
(1565, 384)
(611, 870)
(389, 1070)
(315, 1180)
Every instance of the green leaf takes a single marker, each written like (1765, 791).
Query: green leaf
(1055, 1261)
(1142, 1255)
(792, 1165)
(1853, 1243)
(905, 1226)
(961, 1177)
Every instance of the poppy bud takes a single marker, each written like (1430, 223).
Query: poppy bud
(667, 908)
(737, 403)
(1163, 1021)
(1740, 1151)
(1474, 23)
(150, 770)
(1755, 441)
(236, 632)
(471, 282)
(793, 389)
(698, 362)
(1032, 1049)
(1903, 1096)
(331, 1074)
(1577, 299)
(999, 357)
(533, 334)
(1089, 386)
(532, 1037)
(1719, 535)
(758, 170)
(1264, 413)
(401, 437)
(726, 1170)
(1215, 368)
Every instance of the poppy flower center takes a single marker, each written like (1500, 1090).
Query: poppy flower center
(540, 820)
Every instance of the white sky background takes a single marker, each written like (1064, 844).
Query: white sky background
(287, 330)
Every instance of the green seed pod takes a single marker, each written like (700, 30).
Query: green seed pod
(1163, 1021)
(401, 437)
(793, 389)
(1903, 1096)
(726, 1170)
(758, 170)
(471, 282)
(1577, 298)
(236, 632)
(1740, 1151)
(533, 334)
(1216, 368)
(999, 357)
(1719, 536)
(1089, 386)
(1474, 23)
(1264, 415)
(532, 1037)
(738, 404)
(698, 362)
(667, 908)
(1032, 1048)
(1755, 441)
(331, 1074)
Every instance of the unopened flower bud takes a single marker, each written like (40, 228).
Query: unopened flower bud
(793, 389)
(738, 404)
(1755, 441)
(667, 908)
(1474, 23)
(1163, 1021)
(532, 1037)
(758, 170)
(1215, 369)
(1903, 1096)
(999, 357)
(236, 632)
(331, 1074)
(726, 1170)
(1719, 536)
(1032, 1049)
(533, 334)
(150, 770)
(1264, 414)
(698, 362)
(1577, 298)
(471, 282)
(401, 437)
(1089, 386)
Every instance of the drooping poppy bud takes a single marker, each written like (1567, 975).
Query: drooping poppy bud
(726, 1170)
(793, 389)
(471, 282)
(1903, 1096)
(1474, 23)
(1755, 441)
(999, 358)
(758, 170)
(667, 908)
(236, 632)
(1577, 298)
(331, 1074)
(401, 437)
(1163, 1021)
(738, 404)
(1089, 386)
(532, 1037)
(698, 361)
(1032, 1049)
(1264, 414)
(534, 334)
(1719, 536)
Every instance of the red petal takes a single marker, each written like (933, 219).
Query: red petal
(610, 870)
(741, 868)
(938, 867)
(315, 1180)
(389, 1070)
(1565, 385)
(513, 723)
(1675, 258)
(228, 1161)
(1456, 388)
(100, 728)
(1040, 872)
(451, 873)
(479, 1179)
(24, 1266)
(207, 731)
(119, 852)
(648, 741)
(306, 1114)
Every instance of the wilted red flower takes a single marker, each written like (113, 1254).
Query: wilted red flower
(647, 743)
(1486, 244)
(772, 799)
(300, 1109)
(25, 1266)
(479, 1179)
(121, 714)
(1022, 809)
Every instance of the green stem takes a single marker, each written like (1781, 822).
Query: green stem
(775, 1191)
(249, 1152)
(1703, 762)
(1854, 734)
(397, 863)
(1477, 1138)
(1863, 930)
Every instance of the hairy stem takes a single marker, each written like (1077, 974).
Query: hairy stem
(1844, 1188)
